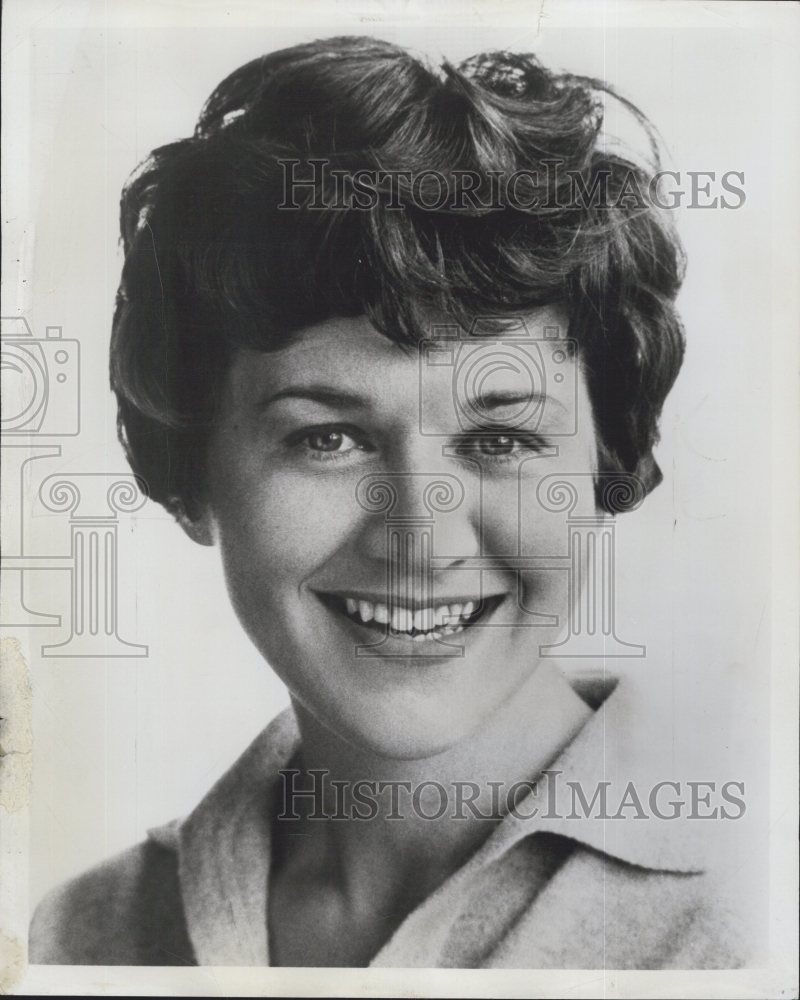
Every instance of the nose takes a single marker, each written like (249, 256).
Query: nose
(413, 516)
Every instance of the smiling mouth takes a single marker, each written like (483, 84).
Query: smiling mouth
(418, 624)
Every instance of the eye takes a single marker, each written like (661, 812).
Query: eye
(330, 441)
(327, 443)
(499, 446)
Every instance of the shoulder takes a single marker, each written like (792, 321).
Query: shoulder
(666, 919)
(591, 910)
(126, 911)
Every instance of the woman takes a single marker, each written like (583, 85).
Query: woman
(372, 318)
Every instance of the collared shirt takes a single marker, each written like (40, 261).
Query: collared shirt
(558, 889)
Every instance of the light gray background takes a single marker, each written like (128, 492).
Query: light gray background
(122, 745)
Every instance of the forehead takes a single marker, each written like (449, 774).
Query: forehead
(350, 353)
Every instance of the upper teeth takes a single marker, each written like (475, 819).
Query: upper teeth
(403, 619)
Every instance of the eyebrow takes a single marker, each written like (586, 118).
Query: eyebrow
(338, 399)
(335, 398)
(510, 397)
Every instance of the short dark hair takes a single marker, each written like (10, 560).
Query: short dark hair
(212, 262)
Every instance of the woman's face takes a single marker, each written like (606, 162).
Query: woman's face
(323, 498)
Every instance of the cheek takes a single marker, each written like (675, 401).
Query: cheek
(514, 521)
(275, 528)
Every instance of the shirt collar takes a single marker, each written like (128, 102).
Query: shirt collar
(224, 845)
(626, 747)
(224, 853)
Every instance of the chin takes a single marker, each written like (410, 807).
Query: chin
(418, 744)
(408, 729)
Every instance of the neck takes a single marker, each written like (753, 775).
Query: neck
(523, 737)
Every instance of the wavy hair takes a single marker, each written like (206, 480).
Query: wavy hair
(212, 262)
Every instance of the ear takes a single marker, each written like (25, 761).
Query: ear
(198, 525)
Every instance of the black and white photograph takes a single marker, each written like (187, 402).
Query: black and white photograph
(400, 575)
